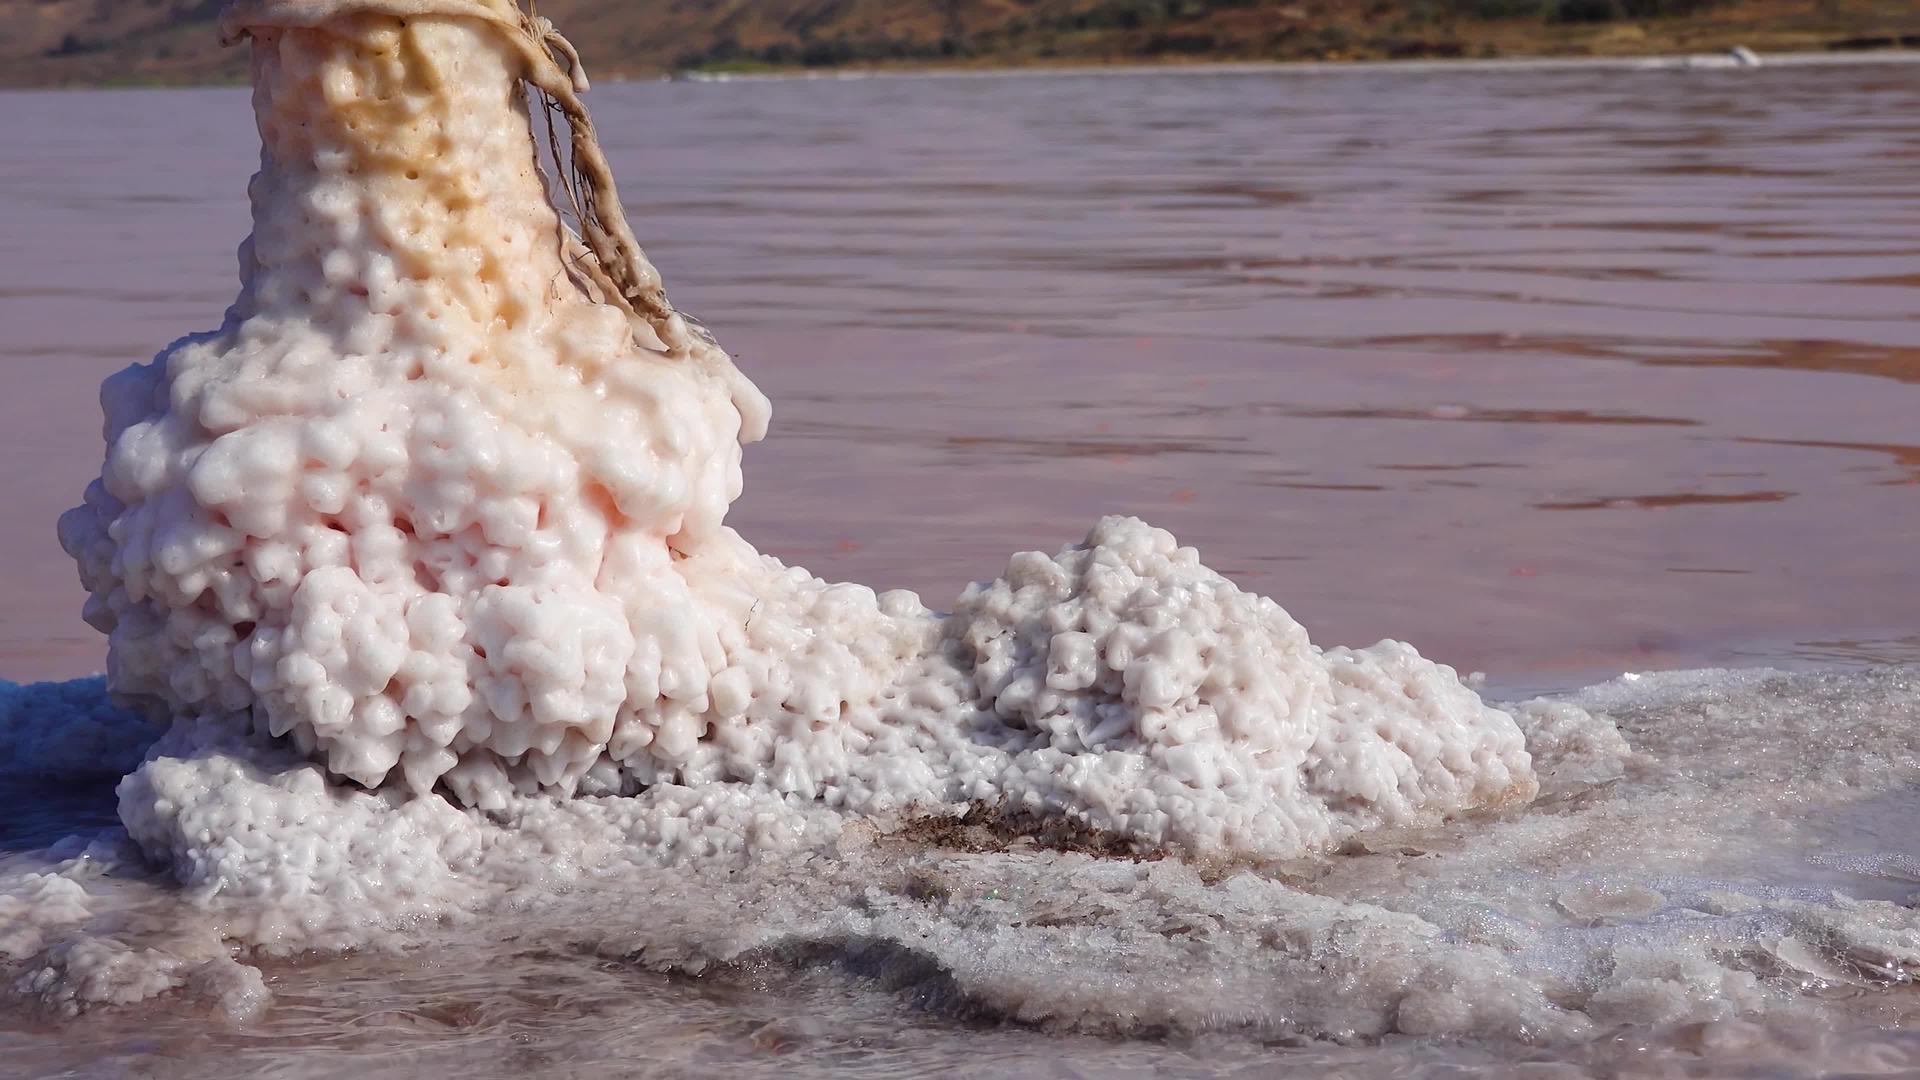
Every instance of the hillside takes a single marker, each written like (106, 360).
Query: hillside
(83, 42)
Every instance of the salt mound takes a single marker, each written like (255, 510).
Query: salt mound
(439, 511)
(1146, 695)
(1145, 752)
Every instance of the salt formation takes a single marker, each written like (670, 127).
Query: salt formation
(1732, 889)
(419, 564)
(440, 505)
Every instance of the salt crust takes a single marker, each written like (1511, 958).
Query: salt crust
(1675, 884)
(423, 537)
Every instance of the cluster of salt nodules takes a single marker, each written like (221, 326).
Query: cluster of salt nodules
(429, 514)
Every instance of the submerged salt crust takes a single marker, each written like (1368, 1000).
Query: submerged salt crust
(416, 568)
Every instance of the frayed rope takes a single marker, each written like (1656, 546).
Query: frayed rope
(605, 251)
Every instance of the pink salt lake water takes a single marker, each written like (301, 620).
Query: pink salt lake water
(1554, 373)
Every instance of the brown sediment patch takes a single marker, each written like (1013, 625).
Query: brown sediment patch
(993, 830)
(986, 829)
(998, 830)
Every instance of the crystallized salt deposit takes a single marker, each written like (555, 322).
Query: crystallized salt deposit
(1749, 860)
(429, 511)
(1149, 696)
(416, 569)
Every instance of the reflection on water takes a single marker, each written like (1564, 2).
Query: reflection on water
(1663, 502)
(1361, 336)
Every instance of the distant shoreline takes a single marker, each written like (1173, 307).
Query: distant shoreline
(108, 43)
(1700, 61)
(1708, 61)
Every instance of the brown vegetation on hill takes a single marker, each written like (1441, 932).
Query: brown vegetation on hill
(77, 42)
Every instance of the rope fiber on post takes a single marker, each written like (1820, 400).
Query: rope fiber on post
(605, 250)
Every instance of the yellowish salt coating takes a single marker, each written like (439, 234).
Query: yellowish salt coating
(433, 515)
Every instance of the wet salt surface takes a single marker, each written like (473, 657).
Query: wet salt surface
(1730, 900)
(1549, 373)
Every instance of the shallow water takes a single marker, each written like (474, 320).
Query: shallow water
(1553, 373)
